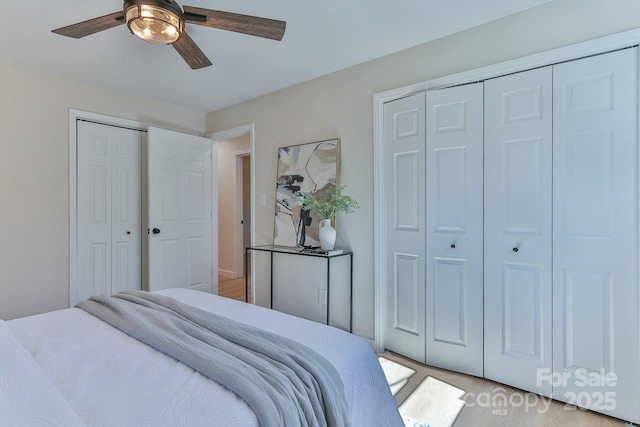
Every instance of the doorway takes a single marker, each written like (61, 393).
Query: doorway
(243, 207)
(235, 210)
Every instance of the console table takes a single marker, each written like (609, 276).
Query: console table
(303, 280)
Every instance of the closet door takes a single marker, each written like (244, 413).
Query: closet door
(109, 209)
(596, 349)
(404, 140)
(517, 270)
(454, 228)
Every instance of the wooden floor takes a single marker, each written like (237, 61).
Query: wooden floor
(479, 412)
(232, 288)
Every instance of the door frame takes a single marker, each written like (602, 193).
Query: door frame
(238, 182)
(566, 53)
(74, 116)
(230, 134)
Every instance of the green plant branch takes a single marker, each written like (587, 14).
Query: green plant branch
(333, 203)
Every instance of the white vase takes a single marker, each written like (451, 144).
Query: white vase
(327, 235)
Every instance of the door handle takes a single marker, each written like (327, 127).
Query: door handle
(156, 231)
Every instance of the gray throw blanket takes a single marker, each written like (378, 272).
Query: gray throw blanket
(285, 383)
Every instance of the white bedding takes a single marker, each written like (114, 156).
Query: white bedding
(89, 373)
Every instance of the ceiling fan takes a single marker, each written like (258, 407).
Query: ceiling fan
(162, 21)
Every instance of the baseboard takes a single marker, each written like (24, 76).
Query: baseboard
(227, 273)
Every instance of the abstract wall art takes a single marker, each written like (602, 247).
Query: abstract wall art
(304, 168)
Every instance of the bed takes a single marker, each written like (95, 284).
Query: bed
(69, 368)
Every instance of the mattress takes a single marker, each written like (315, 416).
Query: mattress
(69, 368)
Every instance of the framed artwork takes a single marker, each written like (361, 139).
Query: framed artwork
(304, 168)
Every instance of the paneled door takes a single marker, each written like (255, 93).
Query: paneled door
(109, 234)
(454, 228)
(595, 273)
(404, 140)
(517, 228)
(180, 211)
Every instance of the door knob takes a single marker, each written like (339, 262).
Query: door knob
(156, 231)
(453, 246)
(128, 232)
(515, 249)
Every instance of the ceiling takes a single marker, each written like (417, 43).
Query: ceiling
(321, 37)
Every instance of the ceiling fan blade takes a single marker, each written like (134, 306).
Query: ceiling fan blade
(190, 52)
(92, 26)
(246, 24)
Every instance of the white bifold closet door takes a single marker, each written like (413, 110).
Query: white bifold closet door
(109, 214)
(595, 232)
(517, 228)
(404, 124)
(454, 228)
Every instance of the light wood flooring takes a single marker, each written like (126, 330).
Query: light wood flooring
(478, 413)
(232, 288)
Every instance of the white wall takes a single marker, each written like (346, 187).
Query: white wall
(227, 221)
(34, 178)
(340, 105)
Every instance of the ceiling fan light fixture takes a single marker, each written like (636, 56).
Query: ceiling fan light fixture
(154, 21)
